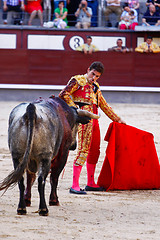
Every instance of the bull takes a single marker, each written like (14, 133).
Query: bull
(40, 135)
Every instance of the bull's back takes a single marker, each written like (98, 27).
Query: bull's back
(48, 131)
(46, 134)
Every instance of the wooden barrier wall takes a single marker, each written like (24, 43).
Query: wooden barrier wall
(21, 66)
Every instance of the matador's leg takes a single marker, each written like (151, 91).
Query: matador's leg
(84, 140)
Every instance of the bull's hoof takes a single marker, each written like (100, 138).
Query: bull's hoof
(43, 212)
(28, 202)
(21, 211)
(54, 203)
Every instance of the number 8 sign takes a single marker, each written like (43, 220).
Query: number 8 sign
(75, 42)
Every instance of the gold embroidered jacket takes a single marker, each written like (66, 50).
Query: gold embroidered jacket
(144, 46)
(78, 90)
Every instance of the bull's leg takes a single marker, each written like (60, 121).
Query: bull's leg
(21, 210)
(56, 168)
(53, 201)
(30, 180)
(43, 210)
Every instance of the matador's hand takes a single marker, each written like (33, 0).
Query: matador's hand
(121, 121)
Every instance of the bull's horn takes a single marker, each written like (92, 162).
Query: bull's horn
(88, 114)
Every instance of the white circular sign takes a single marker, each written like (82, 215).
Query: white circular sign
(75, 42)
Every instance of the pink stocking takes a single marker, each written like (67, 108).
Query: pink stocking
(90, 175)
(76, 175)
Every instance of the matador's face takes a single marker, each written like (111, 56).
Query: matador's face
(92, 75)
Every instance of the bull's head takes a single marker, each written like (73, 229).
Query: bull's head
(83, 117)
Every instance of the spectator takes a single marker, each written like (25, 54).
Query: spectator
(72, 7)
(134, 4)
(47, 8)
(13, 5)
(148, 46)
(151, 17)
(83, 15)
(93, 4)
(156, 3)
(56, 3)
(88, 47)
(34, 8)
(128, 18)
(61, 12)
(113, 6)
(149, 2)
(119, 47)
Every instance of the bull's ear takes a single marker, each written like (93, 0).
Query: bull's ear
(83, 120)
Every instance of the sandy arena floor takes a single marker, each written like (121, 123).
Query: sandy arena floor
(116, 215)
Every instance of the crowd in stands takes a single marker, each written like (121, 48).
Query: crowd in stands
(82, 13)
(148, 46)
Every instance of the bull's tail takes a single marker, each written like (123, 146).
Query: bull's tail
(12, 179)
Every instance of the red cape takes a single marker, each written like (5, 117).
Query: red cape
(131, 160)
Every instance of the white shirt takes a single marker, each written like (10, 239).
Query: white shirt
(82, 17)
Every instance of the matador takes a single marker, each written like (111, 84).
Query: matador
(84, 91)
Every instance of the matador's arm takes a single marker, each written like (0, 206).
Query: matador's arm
(66, 93)
(107, 109)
